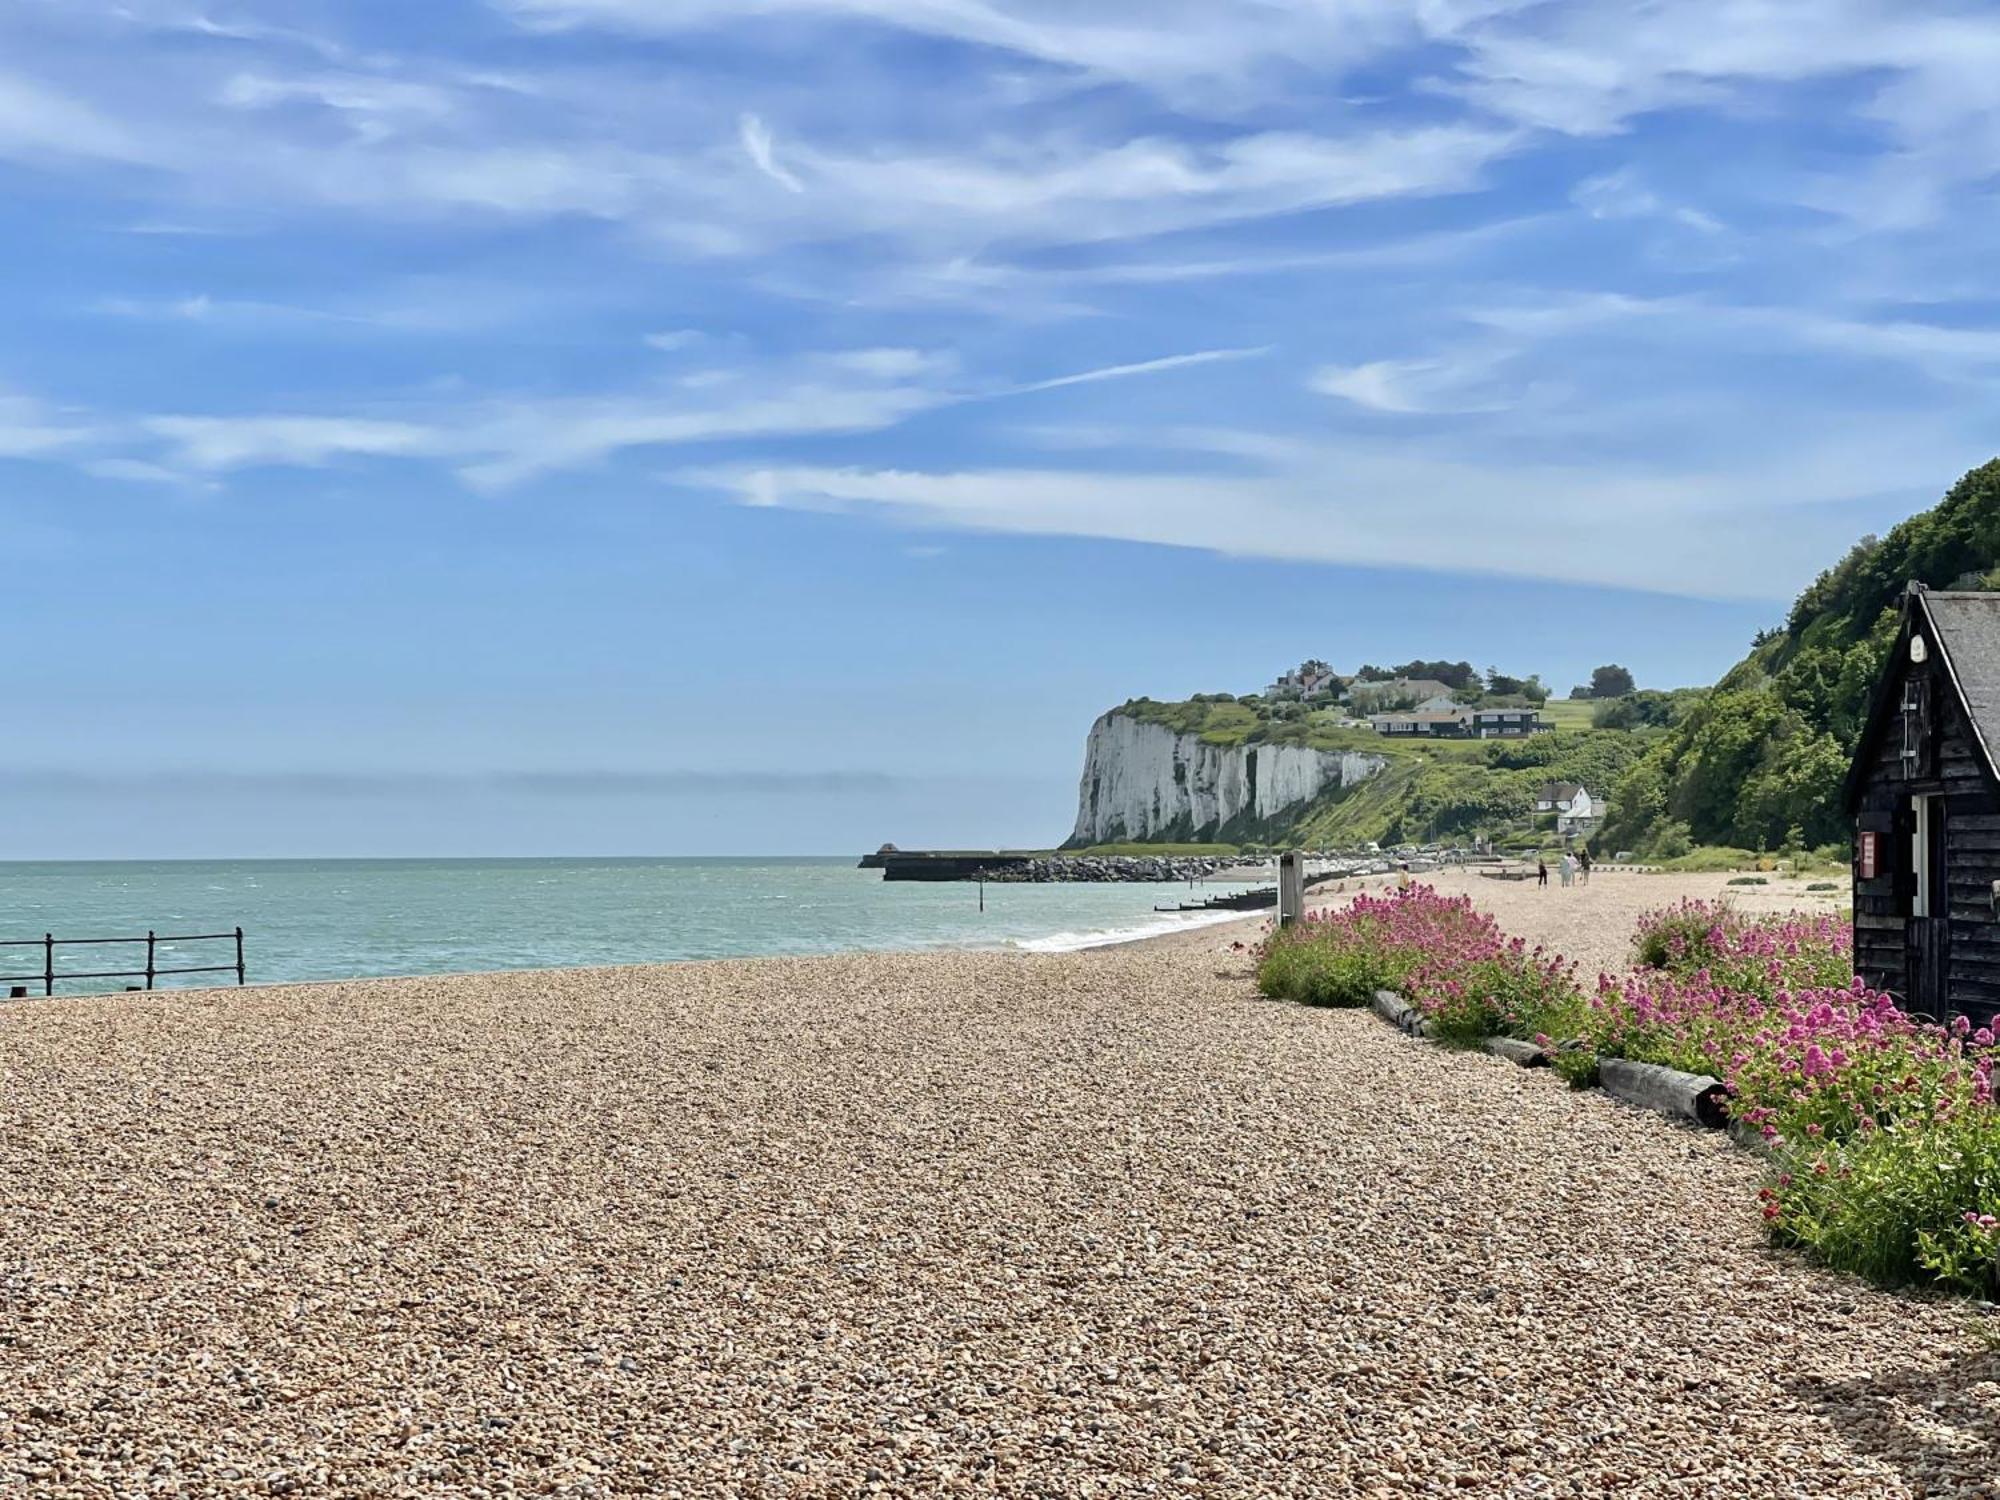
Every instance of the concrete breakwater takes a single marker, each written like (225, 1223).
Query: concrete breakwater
(1106, 868)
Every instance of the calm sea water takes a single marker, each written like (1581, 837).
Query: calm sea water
(332, 919)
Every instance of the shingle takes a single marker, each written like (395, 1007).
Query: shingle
(1967, 627)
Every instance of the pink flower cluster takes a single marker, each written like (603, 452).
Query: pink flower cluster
(1449, 960)
(1771, 1006)
(1797, 950)
(1805, 1065)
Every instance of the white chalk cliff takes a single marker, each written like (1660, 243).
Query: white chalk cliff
(1143, 781)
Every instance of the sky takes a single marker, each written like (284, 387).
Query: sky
(700, 426)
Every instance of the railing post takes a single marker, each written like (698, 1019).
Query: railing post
(239, 955)
(48, 963)
(149, 958)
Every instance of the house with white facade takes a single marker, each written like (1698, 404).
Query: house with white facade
(1554, 794)
(1580, 816)
(1307, 682)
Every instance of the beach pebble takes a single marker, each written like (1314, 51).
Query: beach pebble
(1097, 1224)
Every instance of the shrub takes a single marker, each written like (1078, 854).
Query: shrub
(1762, 955)
(1886, 1126)
(1899, 1204)
(1343, 957)
(1452, 962)
(1749, 880)
(1512, 993)
(1683, 934)
(1320, 972)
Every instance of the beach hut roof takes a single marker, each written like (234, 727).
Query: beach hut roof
(1964, 629)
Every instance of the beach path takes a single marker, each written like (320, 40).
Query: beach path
(1590, 924)
(1095, 1224)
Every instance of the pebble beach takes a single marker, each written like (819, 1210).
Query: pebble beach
(1094, 1224)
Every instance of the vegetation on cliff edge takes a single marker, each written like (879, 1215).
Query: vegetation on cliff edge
(1758, 763)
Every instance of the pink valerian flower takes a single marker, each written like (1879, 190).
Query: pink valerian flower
(1793, 949)
(1800, 1063)
(1450, 960)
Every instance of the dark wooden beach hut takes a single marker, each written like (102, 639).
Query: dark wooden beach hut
(1924, 793)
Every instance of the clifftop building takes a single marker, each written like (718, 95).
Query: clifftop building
(1462, 724)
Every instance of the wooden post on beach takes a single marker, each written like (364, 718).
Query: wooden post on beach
(1291, 886)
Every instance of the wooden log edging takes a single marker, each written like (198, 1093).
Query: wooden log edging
(1397, 1011)
(1687, 1096)
(1524, 1054)
(1694, 1097)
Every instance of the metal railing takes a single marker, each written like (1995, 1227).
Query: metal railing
(48, 976)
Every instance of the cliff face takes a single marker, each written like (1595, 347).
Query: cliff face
(1144, 781)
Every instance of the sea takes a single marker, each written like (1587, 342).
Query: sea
(348, 918)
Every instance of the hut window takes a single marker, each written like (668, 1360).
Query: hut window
(1916, 728)
(1920, 856)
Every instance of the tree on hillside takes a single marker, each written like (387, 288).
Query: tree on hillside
(1611, 682)
(1646, 709)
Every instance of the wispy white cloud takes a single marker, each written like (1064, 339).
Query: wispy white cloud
(175, 17)
(673, 340)
(757, 141)
(202, 308)
(1469, 383)
(1058, 194)
(1944, 350)
(1622, 195)
(495, 444)
(1141, 367)
(524, 442)
(139, 471)
(38, 123)
(1677, 529)
(377, 109)
(214, 444)
(32, 429)
(891, 363)
(1169, 43)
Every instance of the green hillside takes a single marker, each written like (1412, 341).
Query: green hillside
(1759, 763)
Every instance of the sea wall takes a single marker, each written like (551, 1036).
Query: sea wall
(1144, 781)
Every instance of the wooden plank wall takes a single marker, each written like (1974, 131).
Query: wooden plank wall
(1972, 858)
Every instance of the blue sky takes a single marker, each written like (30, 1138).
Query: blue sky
(524, 426)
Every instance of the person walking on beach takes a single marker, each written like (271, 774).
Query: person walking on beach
(1568, 868)
(1541, 871)
(1583, 864)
